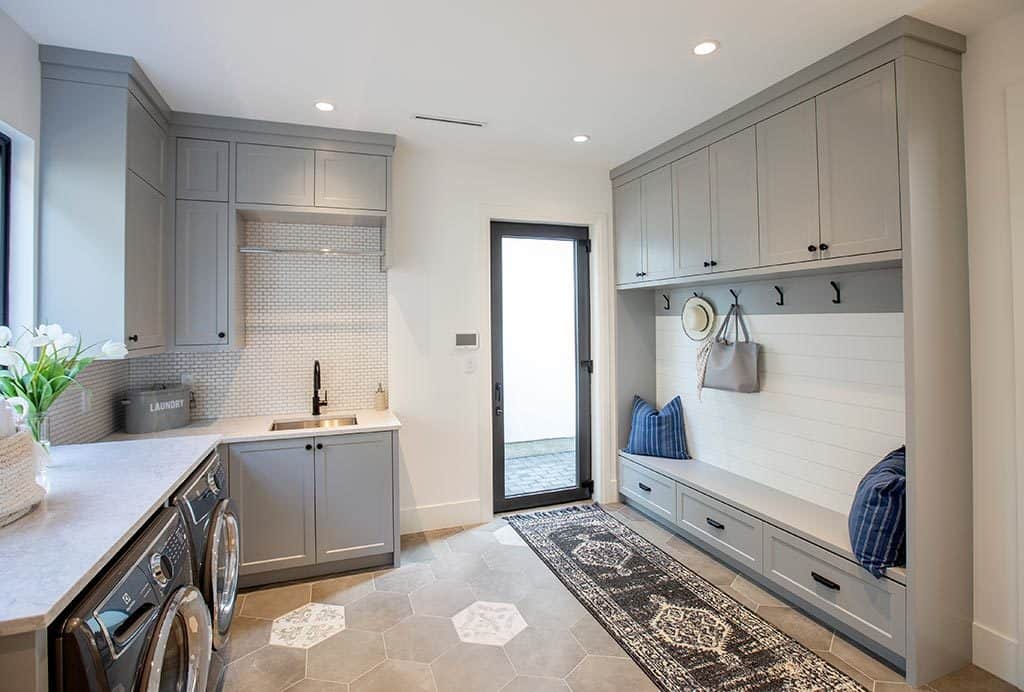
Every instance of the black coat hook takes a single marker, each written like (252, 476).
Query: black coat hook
(735, 298)
(781, 300)
(835, 287)
(668, 305)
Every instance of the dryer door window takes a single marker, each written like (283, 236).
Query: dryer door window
(178, 657)
(221, 578)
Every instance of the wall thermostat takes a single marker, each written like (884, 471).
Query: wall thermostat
(467, 341)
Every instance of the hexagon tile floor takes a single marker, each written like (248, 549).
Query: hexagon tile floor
(475, 610)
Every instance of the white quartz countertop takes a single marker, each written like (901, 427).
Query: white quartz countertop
(100, 496)
(256, 428)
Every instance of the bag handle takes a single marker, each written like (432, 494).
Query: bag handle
(740, 323)
(724, 329)
(734, 314)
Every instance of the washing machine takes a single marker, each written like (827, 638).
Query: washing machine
(145, 625)
(212, 527)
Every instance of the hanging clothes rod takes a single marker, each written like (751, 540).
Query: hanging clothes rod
(321, 252)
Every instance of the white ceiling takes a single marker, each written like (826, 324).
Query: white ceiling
(537, 71)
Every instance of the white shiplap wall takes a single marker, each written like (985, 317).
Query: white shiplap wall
(831, 402)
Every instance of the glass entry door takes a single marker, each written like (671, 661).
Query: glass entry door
(540, 340)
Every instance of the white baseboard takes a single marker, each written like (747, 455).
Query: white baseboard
(442, 516)
(996, 653)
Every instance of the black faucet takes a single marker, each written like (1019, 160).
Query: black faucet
(317, 401)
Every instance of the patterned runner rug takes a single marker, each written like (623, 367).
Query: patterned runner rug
(684, 632)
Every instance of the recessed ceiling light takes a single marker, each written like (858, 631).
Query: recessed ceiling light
(324, 106)
(580, 139)
(705, 48)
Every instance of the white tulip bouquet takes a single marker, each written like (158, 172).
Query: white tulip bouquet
(35, 384)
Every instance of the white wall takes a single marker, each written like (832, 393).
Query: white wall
(19, 120)
(439, 285)
(994, 61)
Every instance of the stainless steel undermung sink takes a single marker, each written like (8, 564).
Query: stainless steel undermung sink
(315, 423)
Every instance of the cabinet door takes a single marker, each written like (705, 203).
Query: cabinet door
(734, 243)
(202, 170)
(201, 274)
(691, 180)
(659, 257)
(145, 287)
(274, 175)
(858, 165)
(147, 145)
(787, 186)
(629, 259)
(272, 487)
(355, 511)
(351, 181)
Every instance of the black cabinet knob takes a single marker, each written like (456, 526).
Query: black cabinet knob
(319, 445)
(638, 274)
(707, 264)
(133, 337)
(714, 263)
(221, 335)
(812, 248)
(309, 447)
(823, 247)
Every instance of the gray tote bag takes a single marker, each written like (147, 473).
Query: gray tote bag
(732, 366)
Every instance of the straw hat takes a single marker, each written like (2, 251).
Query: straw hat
(698, 318)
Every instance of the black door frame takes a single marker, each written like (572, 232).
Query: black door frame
(584, 365)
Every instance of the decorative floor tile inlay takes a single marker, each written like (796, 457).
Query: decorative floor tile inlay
(307, 626)
(485, 622)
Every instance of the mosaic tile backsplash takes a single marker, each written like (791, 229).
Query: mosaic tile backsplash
(92, 411)
(297, 309)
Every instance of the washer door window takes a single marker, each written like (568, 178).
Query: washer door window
(220, 581)
(179, 652)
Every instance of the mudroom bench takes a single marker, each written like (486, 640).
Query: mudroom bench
(796, 549)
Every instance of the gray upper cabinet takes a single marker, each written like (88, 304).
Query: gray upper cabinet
(858, 165)
(734, 241)
(202, 170)
(692, 209)
(201, 273)
(274, 175)
(145, 279)
(787, 186)
(147, 145)
(272, 485)
(629, 253)
(351, 181)
(657, 224)
(355, 511)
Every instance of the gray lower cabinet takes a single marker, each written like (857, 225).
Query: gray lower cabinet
(202, 170)
(858, 165)
(787, 186)
(201, 273)
(274, 175)
(734, 242)
(629, 220)
(272, 485)
(354, 503)
(144, 303)
(351, 181)
(692, 210)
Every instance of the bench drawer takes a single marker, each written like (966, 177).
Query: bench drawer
(725, 528)
(877, 608)
(649, 489)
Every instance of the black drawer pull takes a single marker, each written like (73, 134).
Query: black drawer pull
(645, 488)
(713, 523)
(824, 582)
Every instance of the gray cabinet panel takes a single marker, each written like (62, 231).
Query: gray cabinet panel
(652, 490)
(858, 165)
(735, 533)
(351, 181)
(274, 175)
(201, 273)
(147, 145)
(272, 485)
(354, 496)
(734, 243)
(202, 170)
(629, 258)
(787, 186)
(692, 205)
(145, 220)
(657, 224)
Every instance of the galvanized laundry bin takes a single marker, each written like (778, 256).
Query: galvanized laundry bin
(160, 408)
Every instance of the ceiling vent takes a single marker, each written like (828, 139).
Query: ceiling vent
(448, 121)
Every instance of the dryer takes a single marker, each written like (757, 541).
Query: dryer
(212, 527)
(145, 625)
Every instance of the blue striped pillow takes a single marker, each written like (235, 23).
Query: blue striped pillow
(878, 517)
(657, 434)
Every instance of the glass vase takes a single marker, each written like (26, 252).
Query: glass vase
(39, 424)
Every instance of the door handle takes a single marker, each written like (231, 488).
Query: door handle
(824, 582)
(714, 524)
(497, 392)
(645, 488)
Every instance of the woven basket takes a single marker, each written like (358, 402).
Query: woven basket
(19, 492)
